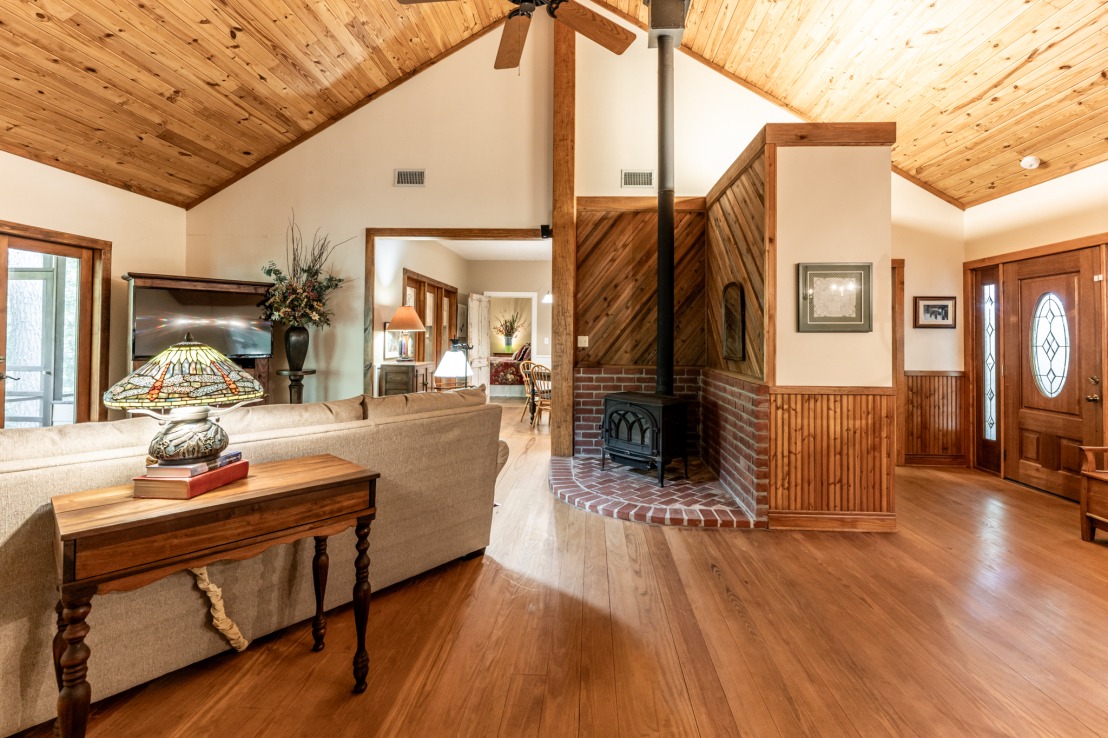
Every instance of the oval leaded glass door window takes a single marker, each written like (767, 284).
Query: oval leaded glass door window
(1050, 345)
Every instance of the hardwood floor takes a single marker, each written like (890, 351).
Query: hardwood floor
(983, 616)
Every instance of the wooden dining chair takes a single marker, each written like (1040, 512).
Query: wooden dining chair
(528, 386)
(540, 379)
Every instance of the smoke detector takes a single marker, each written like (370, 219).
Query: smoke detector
(1030, 162)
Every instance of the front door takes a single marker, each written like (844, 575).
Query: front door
(1052, 368)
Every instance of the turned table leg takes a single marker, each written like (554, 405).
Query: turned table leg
(361, 602)
(320, 565)
(59, 643)
(75, 694)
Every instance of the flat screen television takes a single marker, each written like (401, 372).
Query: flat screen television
(228, 322)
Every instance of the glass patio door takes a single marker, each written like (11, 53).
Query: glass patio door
(39, 354)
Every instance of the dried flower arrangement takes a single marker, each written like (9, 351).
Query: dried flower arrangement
(510, 326)
(299, 298)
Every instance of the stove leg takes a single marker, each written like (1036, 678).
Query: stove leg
(602, 458)
(661, 472)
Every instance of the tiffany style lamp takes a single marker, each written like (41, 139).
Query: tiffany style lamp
(187, 378)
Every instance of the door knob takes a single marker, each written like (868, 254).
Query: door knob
(1092, 398)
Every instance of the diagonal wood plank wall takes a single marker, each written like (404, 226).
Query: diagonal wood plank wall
(617, 287)
(737, 253)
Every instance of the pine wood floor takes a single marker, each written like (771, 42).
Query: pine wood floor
(984, 616)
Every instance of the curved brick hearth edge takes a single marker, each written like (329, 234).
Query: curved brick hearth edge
(620, 493)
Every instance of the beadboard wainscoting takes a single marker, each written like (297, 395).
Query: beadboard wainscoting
(933, 433)
(831, 458)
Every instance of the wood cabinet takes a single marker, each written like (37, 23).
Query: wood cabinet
(406, 377)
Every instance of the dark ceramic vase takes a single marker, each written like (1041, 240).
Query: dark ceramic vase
(296, 347)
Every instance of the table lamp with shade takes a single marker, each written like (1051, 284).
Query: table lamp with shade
(455, 363)
(186, 379)
(406, 321)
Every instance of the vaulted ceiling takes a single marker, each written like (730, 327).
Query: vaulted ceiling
(176, 98)
(973, 85)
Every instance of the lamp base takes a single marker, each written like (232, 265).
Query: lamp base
(189, 437)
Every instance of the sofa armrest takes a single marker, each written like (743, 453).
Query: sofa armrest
(501, 456)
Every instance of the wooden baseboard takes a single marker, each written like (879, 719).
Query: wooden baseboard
(934, 460)
(865, 522)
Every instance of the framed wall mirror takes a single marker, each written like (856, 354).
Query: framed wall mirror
(734, 322)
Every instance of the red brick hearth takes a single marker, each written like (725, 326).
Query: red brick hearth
(728, 425)
(621, 492)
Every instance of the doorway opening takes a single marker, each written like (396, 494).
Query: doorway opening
(53, 327)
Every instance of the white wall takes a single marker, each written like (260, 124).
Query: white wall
(833, 204)
(927, 234)
(1068, 207)
(146, 235)
(518, 276)
(484, 137)
(617, 118)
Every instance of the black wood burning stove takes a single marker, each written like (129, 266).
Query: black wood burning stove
(643, 430)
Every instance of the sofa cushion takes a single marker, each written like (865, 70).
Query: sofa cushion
(256, 419)
(375, 408)
(17, 444)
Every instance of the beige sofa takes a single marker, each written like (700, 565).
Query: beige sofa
(438, 456)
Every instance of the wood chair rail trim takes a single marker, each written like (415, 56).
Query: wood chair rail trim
(782, 390)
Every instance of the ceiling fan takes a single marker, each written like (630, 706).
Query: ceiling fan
(611, 36)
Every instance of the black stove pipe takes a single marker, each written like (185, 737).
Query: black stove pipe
(664, 373)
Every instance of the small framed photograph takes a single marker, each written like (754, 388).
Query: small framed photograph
(935, 312)
(834, 298)
(392, 344)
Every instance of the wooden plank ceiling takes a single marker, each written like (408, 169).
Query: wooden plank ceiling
(174, 98)
(973, 85)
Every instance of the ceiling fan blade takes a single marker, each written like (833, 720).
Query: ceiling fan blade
(511, 42)
(611, 36)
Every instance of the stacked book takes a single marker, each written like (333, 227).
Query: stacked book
(185, 481)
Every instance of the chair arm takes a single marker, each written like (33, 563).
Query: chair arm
(501, 456)
(1089, 462)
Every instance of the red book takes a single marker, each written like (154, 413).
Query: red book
(185, 488)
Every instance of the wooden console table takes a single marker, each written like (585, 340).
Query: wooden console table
(108, 541)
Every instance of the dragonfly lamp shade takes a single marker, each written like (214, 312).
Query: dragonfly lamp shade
(186, 379)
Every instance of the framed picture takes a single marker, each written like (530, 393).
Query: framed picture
(463, 323)
(834, 298)
(392, 344)
(935, 312)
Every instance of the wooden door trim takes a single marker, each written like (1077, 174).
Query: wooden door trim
(1074, 244)
(3, 319)
(901, 430)
(450, 234)
(94, 371)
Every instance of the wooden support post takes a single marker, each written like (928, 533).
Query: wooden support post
(564, 333)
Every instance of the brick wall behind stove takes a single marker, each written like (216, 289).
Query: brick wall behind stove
(591, 384)
(735, 427)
